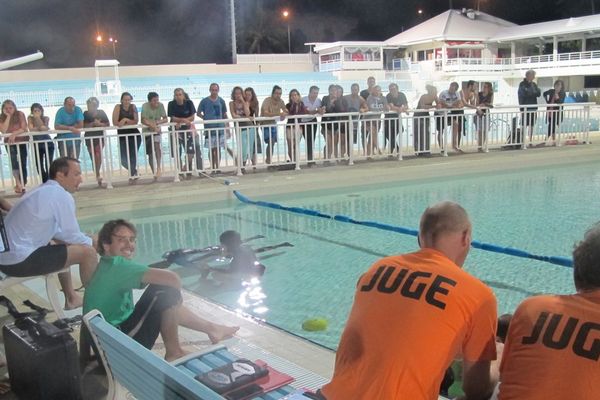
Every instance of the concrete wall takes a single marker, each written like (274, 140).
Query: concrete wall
(151, 70)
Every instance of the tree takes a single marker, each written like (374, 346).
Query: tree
(265, 33)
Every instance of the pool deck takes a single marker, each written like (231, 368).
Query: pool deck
(123, 199)
(262, 183)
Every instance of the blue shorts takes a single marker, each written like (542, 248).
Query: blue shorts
(214, 139)
(270, 134)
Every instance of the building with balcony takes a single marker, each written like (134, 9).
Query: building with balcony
(458, 45)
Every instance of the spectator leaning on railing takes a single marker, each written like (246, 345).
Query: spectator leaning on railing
(126, 113)
(272, 107)
(13, 122)
(38, 122)
(153, 115)
(69, 118)
(94, 141)
(182, 112)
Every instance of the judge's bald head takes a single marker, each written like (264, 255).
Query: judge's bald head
(445, 227)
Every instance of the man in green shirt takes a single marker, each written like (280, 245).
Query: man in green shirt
(159, 310)
(153, 115)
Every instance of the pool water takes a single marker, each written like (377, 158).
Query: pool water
(543, 211)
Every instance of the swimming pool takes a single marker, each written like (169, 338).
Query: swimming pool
(543, 211)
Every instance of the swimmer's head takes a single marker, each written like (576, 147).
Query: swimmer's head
(230, 240)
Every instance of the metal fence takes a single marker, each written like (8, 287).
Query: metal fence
(236, 145)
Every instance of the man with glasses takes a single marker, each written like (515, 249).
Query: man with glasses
(43, 233)
(159, 310)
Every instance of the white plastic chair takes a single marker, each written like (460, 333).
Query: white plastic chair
(51, 289)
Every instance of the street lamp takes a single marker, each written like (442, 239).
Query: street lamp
(286, 15)
(114, 43)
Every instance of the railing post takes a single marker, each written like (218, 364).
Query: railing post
(296, 142)
(175, 152)
(586, 118)
(107, 160)
(400, 135)
(351, 136)
(443, 133)
(240, 150)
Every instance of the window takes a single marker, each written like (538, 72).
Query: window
(591, 81)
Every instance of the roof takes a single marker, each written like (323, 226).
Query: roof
(560, 27)
(320, 46)
(452, 25)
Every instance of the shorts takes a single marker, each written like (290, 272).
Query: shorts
(43, 261)
(190, 141)
(143, 325)
(457, 117)
(214, 139)
(270, 134)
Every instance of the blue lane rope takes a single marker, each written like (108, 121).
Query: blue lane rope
(558, 260)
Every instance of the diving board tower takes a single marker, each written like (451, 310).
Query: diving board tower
(107, 87)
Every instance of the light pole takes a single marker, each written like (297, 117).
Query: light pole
(114, 43)
(286, 15)
(233, 39)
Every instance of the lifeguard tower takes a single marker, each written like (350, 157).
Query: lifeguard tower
(107, 87)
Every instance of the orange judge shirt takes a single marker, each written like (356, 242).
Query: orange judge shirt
(412, 315)
(552, 349)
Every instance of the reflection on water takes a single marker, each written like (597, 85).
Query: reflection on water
(252, 298)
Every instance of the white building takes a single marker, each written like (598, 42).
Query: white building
(459, 45)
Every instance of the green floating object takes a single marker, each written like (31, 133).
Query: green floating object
(315, 324)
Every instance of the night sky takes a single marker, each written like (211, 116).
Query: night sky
(197, 31)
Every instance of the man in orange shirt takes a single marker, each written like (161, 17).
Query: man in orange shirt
(413, 314)
(553, 345)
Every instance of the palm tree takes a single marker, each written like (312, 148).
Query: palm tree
(265, 34)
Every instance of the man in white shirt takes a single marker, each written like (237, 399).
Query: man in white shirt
(313, 106)
(44, 235)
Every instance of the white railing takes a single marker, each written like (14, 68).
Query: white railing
(275, 58)
(232, 146)
(586, 58)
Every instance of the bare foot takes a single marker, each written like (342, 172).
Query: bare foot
(175, 355)
(74, 301)
(221, 332)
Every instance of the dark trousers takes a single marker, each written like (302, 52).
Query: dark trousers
(309, 133)
(391, 129)
(421, 134)
(18, 159)
(128, 147)
(45, 155)
(143, 325)
(554, 119)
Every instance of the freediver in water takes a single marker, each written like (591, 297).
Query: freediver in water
(241, 261)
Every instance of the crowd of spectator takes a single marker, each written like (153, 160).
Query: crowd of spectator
(339, 132)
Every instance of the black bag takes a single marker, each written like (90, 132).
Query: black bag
(514, 140)
(42, 361)
(42, 358)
